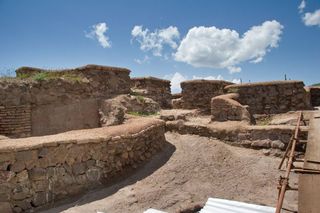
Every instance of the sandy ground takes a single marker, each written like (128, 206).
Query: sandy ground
(188, 171)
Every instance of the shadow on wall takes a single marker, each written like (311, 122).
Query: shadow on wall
(116, 184)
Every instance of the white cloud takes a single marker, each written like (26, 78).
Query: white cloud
(219, 77)
(236, 81)
(155, 41)
(302, 6)
(177, 78)
(98, 32)
(224, 48)
(311, 19)
(142, 61)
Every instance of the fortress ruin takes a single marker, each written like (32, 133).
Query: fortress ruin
(65, 132)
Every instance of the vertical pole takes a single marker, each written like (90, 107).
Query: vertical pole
(285, 180)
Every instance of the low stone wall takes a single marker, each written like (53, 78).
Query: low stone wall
(62, 100)
(314, 96)
(197, 94)
(226, 108)
(15, 121)
(154, 88)
(38, 171)
(256, 137)
(272, 97)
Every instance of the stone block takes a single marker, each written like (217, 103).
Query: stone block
(18, 166)
(27, 155)
(79, 168)
(40, 198)
(5, 207)
(259, 144)
(38, 174)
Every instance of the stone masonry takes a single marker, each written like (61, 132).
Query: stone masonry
(154, 88)
(38, 171)
(57, 101)
(272, 97)
(197, 94)
(15, 121)
(226, 108)
(315, 96)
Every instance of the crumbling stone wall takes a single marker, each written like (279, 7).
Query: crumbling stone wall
(314, 96)
(226, 108)
(197, 94)
(38, 171)
(271, 97)
(154, 88)
(62, 100)
(15, 121)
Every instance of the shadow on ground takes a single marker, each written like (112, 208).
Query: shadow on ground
(128, 178)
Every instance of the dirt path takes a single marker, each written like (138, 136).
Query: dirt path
(187, 172)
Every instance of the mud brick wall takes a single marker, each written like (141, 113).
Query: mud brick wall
(15, 121)
(197, 94)
(39, 171)
(272, 97)
(314, 96)
(154, 88)
(63, 100)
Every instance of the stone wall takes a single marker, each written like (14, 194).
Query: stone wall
(197, 94)
(314, 96)
(271, 97)
(226, 108)
(63, 100)
(15, 121)
(38, 171)
(250, 136)
(154, 88)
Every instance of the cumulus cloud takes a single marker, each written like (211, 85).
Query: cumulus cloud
(302, 5)
(142, 61)
(224, 48)
(177, 78)
(219, 77)
(155, 41)
(98, 32)
(312, 19)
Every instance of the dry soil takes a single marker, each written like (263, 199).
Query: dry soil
(188, 171)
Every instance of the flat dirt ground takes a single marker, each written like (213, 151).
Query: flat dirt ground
(188, 171)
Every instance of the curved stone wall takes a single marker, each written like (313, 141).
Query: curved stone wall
(38, 171)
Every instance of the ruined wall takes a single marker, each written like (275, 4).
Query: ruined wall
(314, 96)
(62, 100)
(226, 108)
(198, 93)
(38, 171)
(15, 120)
(154, 88)
(271, 97)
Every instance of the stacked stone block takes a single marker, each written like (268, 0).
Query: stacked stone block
(37, 172)
(272, 97)
(15, 121)
(63, 100)
(226, 108)
(154, 88)
(314, 96)
(197, 94)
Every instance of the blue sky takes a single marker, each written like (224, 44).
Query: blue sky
(65, 33)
